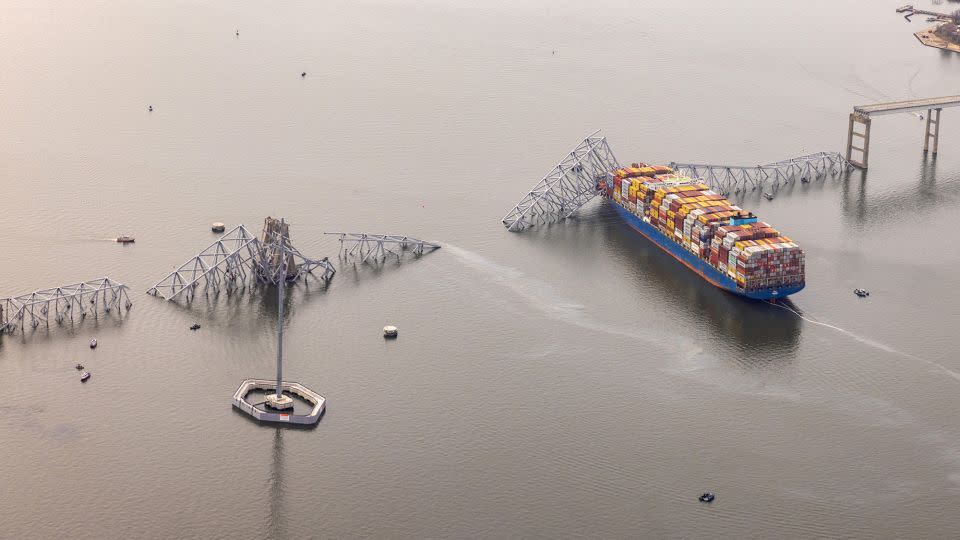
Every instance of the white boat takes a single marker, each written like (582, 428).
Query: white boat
(93, 344)
(84, 376)
(124, 239)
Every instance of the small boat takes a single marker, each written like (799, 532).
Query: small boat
(769, 196)
(304, 74)
(389, 332)
(195, 326)
(124, 239)
(217, 227)
(79, 367)
(150, 108)
(707, 497)
(84, 376)
(861, 293)
(93, 344)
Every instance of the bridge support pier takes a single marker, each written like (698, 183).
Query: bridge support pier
(936, 131)
(864, 136)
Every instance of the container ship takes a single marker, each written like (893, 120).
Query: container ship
(723, 243)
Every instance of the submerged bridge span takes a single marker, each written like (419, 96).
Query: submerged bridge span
(73, 302)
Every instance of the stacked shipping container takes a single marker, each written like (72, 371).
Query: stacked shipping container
(732, 240)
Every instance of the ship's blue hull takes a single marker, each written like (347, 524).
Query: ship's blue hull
(698, 265)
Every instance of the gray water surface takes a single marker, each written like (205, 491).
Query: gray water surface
(569, 381)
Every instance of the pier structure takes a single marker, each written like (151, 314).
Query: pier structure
(227, 263)
(727, 179)
(858, 131)
(263, 414)
(567, 187)
(909, 11)
(364, 246)
(73, 302)
(278, 405)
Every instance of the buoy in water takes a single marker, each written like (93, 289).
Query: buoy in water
(389, 332)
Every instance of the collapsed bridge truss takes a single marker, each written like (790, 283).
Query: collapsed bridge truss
(568, 186)
(228, 262)
(574, 181)
(727, 179)
(376, 246)
(72, 302)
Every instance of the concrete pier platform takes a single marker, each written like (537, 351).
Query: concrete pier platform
(282, 417)
(930, 39)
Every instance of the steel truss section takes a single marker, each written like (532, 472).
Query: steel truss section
(566, 188)
(376, 246)
(227, 263)
(275, 246)
(65, 302)
(728, 179)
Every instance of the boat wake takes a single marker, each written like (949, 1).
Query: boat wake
(541, 295)
(871, 343)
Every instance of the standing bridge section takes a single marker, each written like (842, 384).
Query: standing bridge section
(862, 116)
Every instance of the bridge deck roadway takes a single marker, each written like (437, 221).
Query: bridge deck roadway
(894, 107)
